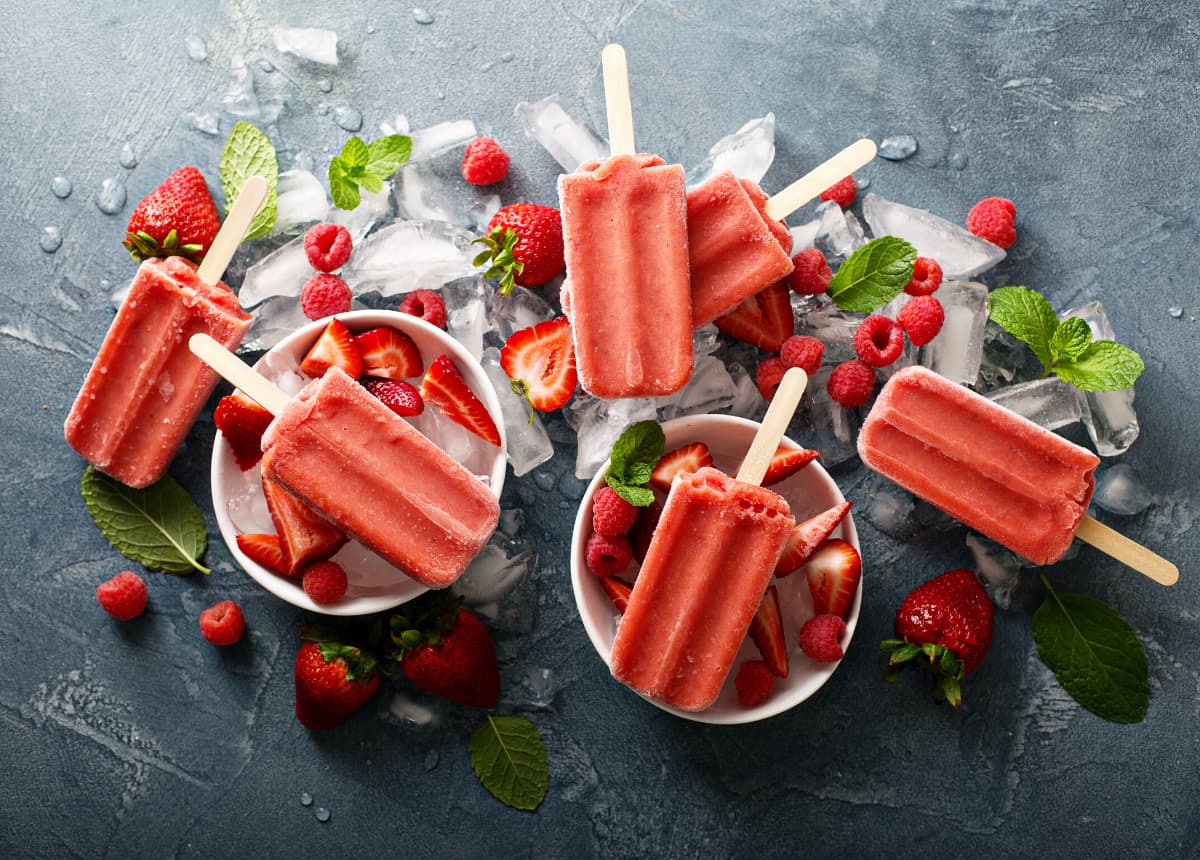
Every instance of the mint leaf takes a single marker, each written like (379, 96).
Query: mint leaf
(371, 182)
(509, 757)
(248, 152)
(1070, 339)
(355, 153)
(873, 275)
(642, 442)
(1104, 366)
(1027, 316)
(366, 165)
(639, 497)
(159, 527)
(342, 188)
(387, 154)
(1094, 654)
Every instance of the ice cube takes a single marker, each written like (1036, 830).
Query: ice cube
(822, 319)
(240, 101)
(1005, 359)
(411, 713)
(748, 153)
(597, 425)
(1049, 402)
(464, 447)
(888, 507)
(283, 272)
(410, 255)
(1108, 415)
(897, 147)
(747, 401)
(957, 351)
(528, 444)
(1120, 491)
(705, 340)
(999, 568)
(569, 141)
(466, 314)
(426, 193)
(373, 207)
(959, 253)
(283, 369)
(430, 142)
(307, 43)
(824, 424)
(275, 319)
(301, 200)
(833, 230)
(709, 389)
(520, 308)
(396, 125)
(493, 574)
(541, 685)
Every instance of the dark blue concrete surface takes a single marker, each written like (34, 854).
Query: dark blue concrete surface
(142, 740)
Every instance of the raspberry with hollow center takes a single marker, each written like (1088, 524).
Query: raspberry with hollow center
(223, 623)
(484, 162)
(810, 273)
(327, 246)
(323, 296)
(427, 305)
(803, 351)
(921, 318)
(926, 277)
(124, 596)
(878, 341)
(608, 555)
(611, 515)
(769, 375)
(820, 638)
(843, 192)
(324, 582)
(851, 383)
(754, 682)
(994, 219)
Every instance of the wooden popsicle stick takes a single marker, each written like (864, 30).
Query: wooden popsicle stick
(808, 186)
(236, 371)
(1127, 551)
(616, 100)
(237, 222)
(774, 425)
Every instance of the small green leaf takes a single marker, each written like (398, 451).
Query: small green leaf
(248, 152)
(371, 182)
(642, 442)
(342, 188)
(1104, 366)
(355, 153)
(159, 527)
(1070, 339)
(1027, 316)
(386, 155)
(873, 275)
(639, 497)
(509, 757)
(1094, 654)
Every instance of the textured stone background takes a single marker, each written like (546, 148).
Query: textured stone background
(143, 740)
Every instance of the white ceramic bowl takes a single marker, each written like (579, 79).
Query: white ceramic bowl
(374, 585)
(808, 492)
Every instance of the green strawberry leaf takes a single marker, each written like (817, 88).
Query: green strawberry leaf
(1094, 654)
(1027, 316)
(873, 275)
(1104, 366)
(159, 527)
(387, 154)
(509, 758)
(248, 152)
(1070, 339)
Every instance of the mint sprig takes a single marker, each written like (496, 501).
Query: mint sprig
(873, 275)
(1094, 654)
(248, 152)
(509, 757)
(634, 456)
(365, 165)
(1065, 348)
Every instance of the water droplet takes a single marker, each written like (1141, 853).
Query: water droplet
(442, 96)
(51, 239)
(348, 119)
(1174, 310)
(897, 147)
(266, 65)
(128, 157)
(61, 187)
(431, 759)
(421, 16)
(196, 48)
(487, 67)
(322, 814)
(305, 799)
(370, 29)
(544, 480)
(507, 57)
(958, 161)
(111, 198)
(954, 129)
(863, 183)
(205, 123)
(325, 85)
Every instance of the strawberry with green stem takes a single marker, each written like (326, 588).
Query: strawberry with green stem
(178, 218)
(333, 680)
(448, 652)
(523, 245)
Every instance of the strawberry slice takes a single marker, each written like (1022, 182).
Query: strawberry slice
(807, 536)
(833, 573)
(264, 549)
(766, 629)
(540, 360)
(444, 387)
(304, 537)
(335, 346)
(618, 589)
(389, 354)
(765, 319)
(689, 458)
(242, 422)
(787, 462)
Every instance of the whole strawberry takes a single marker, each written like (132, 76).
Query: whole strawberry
(332, 680)
(944, 625)
(178, 218)
(449, 653)
(523, 245)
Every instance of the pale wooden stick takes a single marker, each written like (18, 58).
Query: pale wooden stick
(234, 370)
(808, 186)
(237, 222)
(616, 100)
(774, 425)
(1127, 551)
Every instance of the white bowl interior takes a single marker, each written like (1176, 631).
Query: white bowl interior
(374, 585)
(808, 492)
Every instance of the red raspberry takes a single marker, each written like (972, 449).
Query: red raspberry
(222, 623)
(124, 596)
(754, 682)
(926, 278)
(323, 296)
(811, 273)
(843, 192)
(397, 395)
(427, 305)
(992, 218)
(484, 162)
(819, 638)
(608, 555)
(325, 582)
(804, 352)
(611, 515)
(921, 318)
(770, 374)
(878, 341)
(851, 382)
(327, 246)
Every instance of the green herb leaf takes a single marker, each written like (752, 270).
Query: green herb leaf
(366, 165)
(1070, 339)
(642, 442)
(508, 756)
(873, 275)
(355, 153)
(639, 497)
(159, 527)
(248, 152)
(1094, 654)
(386, 155)
(1027, 316)
(342, 188)
(1103, 366)
(371, 182)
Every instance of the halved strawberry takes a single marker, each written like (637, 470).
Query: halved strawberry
(807, 536)
(389, 354)
(787, 462)
(242, 422)
(833, 573)
(540, 360)
(689, 458)
(765, 319)
(335, 346)
(264, 549)
(444, 387)
(766, 629)
(643, 529)
(304, 537)
(618, 589)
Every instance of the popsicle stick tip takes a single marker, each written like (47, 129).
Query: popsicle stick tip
(237, 222)
(616, 99)
(807, 187)
(1127, 551)
(774, 425)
